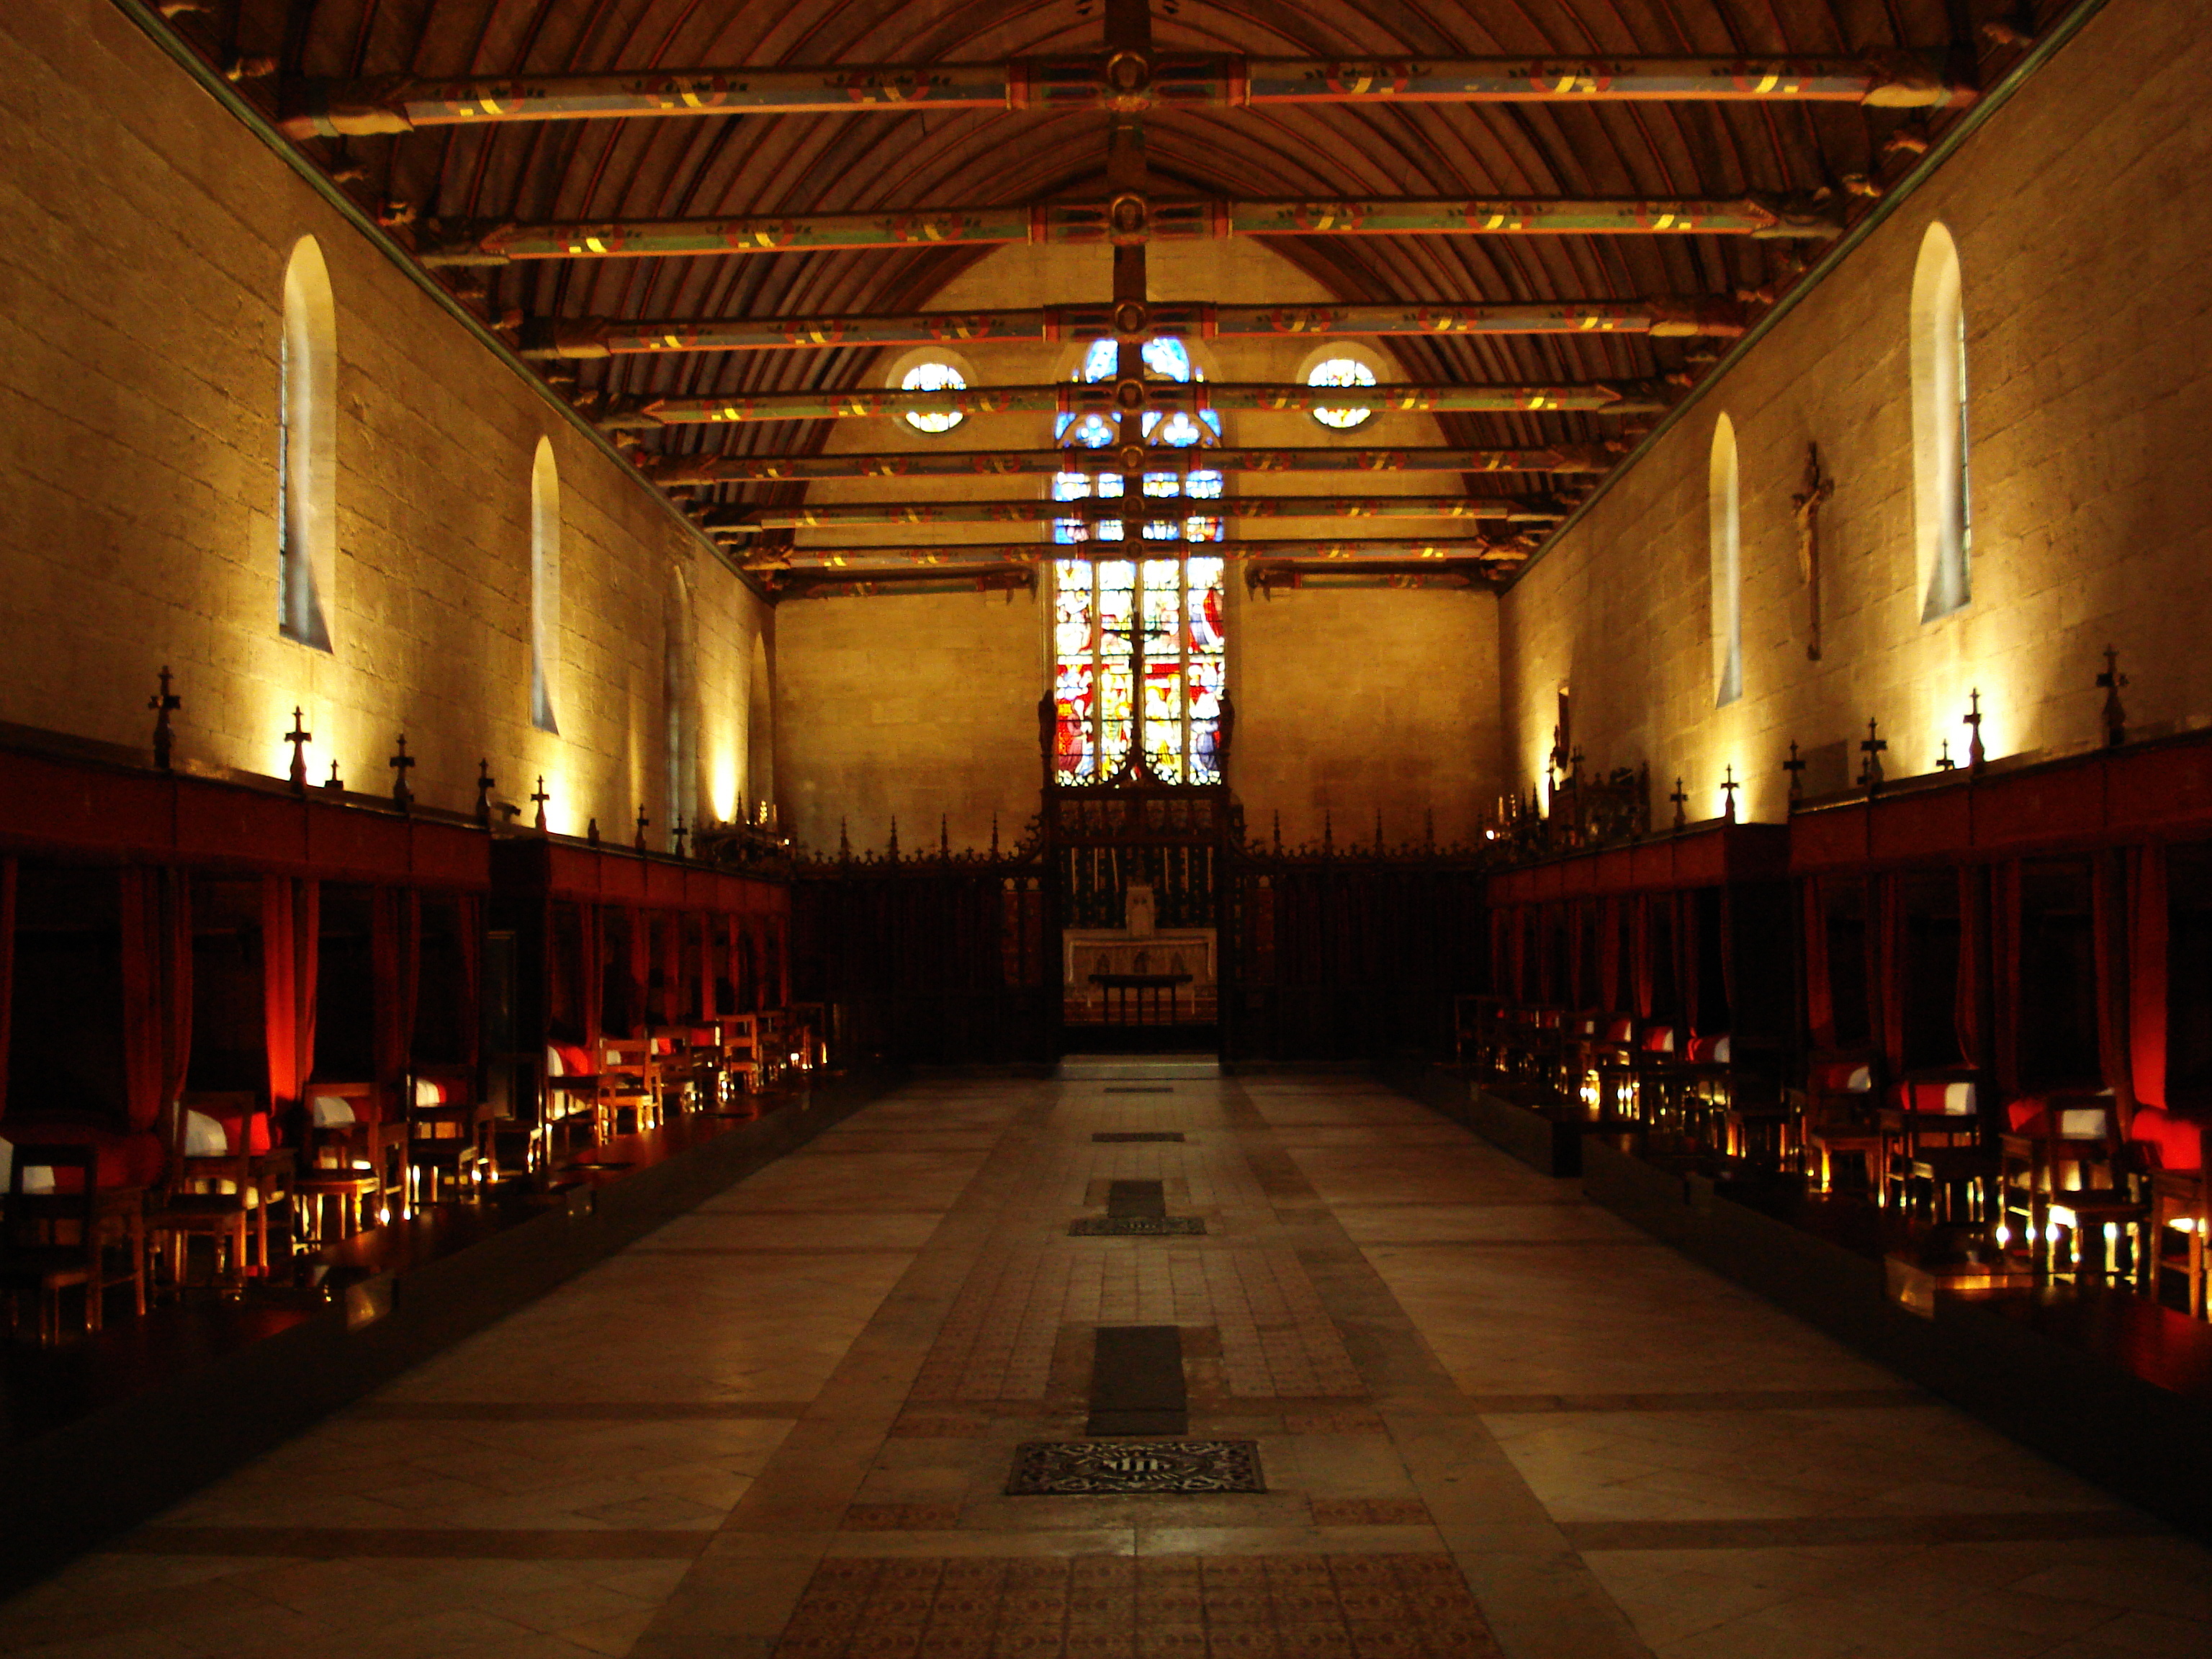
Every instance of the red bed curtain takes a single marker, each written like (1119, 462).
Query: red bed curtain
(468, 920)
(1608, 956)
(2107, 917)
(2004, 976)
(157, 994)
(2147, 933)
(1687, 964)
(591, 973)
(1888, 965)
(639, 964)
(396, 964)
(710, 999)
(1973, 943)
(1639, 952)
(1820, 998)
(291, 934)
(7, 972)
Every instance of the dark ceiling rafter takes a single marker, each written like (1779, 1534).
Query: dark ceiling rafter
(723, 166)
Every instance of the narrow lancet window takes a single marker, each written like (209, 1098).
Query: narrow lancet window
(307, 450)
(1942, 509)
(544, 587)
(1723, 530)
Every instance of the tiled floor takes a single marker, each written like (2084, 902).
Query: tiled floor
(1493, 1418)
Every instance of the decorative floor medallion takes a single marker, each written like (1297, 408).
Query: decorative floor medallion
(1120, 1136)
(1110, 1468)
(1137, 1226)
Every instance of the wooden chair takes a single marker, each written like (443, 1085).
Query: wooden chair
(351, 1157)
(214, 1191)
(2173, 1147)
(744, 1060)
(1932, 1142)
(627, 1078)
(568, 1100)
(57, 1234)
(1842, 1090)
(2053, 1145)
(447, 1132)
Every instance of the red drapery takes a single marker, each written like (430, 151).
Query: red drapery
(2107, 915)
(1639, 952)
(2147, 972)
(640, 966)
(157, 994)
(291, 930)
(1973, 941)
(1686, 963)
(7, 971)
(710, 999)
(468, 917)
(2004, 975)
(1819, 999)
(672, 969)
(591, 974)
(1608, 956)
(396, 962)
(1887, 965)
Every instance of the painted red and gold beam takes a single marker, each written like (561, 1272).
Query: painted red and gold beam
(1123, 81)
(1161, 509)
(1132, 219)
(605, 337)
(1428, 549)
(675, 470)
(1110, 397)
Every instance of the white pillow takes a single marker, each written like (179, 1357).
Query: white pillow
(555, 1065)
(35, 1179)
(2082, 1123)
(428, 1093)
(1720, 1050)
(1958, 1100)
(203, 1136)
(330, 1112)
(1860, 1080)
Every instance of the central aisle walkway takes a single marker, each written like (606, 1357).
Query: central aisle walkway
(1490, 1418)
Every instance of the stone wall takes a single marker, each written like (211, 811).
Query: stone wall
(2082, 225)
(141, 293)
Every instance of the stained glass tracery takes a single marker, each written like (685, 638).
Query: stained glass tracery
(1127, 628)
(1138, 645)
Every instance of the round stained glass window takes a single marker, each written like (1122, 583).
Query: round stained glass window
(934, 377)
(1341, 370)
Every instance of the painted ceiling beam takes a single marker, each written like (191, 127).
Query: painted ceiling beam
(673, 471)
(1105, 398)
(806, 585)
(1426, 550)
(1124, 81)
(1132, 220)
(607, 337)
(1166, 509)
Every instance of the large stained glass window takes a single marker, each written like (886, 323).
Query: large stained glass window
(1128, 631)
(1139, 634)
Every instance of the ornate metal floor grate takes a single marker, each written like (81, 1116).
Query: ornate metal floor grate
(1117, 1136)
(1138, 1226)
(1092, 1468)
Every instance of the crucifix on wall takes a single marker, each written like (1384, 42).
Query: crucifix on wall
(1808, 501)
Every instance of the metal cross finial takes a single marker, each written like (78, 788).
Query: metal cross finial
(2116, 717)
(485, 785)
(539, 798)
(335, 784)
(1870, 769)
(1795, 766)
(1728, 787)
(592, 831)
(642, 821)
(163, 702)
(894, 844)
(844, 842)
(681, 834)
(1974, 721)
(994, 837)
(299, 738)
(1943, 761)
(1679, 800)
(401, 764)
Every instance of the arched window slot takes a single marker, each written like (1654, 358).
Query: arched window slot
(544, 587)
(1723, 529)
(1942, 511)
(307, 450)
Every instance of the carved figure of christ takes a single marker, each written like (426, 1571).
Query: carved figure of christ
(1808, 501)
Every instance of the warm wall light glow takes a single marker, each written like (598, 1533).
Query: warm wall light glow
(722, 786)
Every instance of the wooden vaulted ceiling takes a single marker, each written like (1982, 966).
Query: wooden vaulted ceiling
(723, 165)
